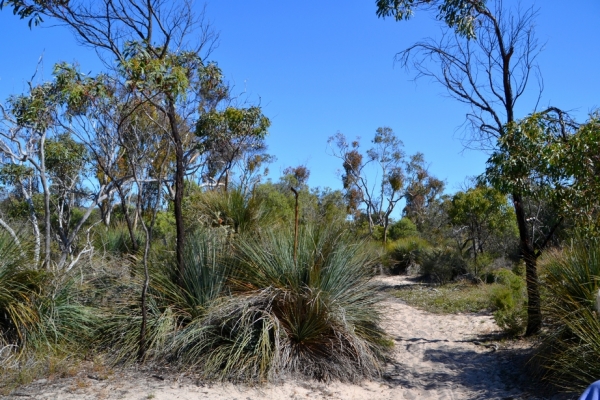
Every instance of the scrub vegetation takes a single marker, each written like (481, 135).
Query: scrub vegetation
(137, 224)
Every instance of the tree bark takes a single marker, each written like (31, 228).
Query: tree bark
(179, 187)
(534, 312)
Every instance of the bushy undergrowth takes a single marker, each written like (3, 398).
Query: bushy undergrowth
(510, 302)
(170, 306)
(441, 265)
(43, 315)
(250, 311)
(571, 350)
(318, 312)
(406, 254)
(117, 240)
(233, 211)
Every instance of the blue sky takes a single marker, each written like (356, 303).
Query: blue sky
(319, 67)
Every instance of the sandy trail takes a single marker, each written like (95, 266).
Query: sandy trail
(435, 357)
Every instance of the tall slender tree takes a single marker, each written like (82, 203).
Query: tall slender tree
(486, 59)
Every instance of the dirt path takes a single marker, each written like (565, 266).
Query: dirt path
(436, 357)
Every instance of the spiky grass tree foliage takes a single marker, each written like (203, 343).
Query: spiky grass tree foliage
(117, 240)
(66, 320)
(572, 348)
(316, 316)
(234, 210)
(39, 310)
(19, 284)
(171, 307)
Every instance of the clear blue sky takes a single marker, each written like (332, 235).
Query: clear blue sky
(318, 67)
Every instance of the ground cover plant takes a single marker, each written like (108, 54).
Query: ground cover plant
(456, 297)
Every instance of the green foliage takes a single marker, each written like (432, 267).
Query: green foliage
(510, 302)
(169, 74)
(226, 137)
(232, 210)
(441, 265)
(572, 344)
(458, 14)
(173, 309)
(316, 317)
(11, 174)
(253, 313)
(164, 225)
(457, 297)
(65, 158)
(483, 217)
(376, 178)
(424, 203)
(32, 10)
(402, 228)
(407, 253)
(548, 156)
(18, 286)
(40, 311)
(116, 239)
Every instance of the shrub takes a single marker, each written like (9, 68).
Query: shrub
(442, 265)
(571, 351)
(233, 210)
(402, 229)
(18, 286)
(406, 254)
(509, 301)
(116, 240)
(316, 317)
(170, 307)
(254, 313)
(39, 310)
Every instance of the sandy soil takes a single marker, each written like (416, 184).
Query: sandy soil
(441, 357)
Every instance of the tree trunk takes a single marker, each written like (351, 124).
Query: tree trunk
(124, 207)
(534, 312)
(179, 175)
(46, 189)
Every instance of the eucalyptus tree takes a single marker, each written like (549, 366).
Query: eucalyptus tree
(226, 137)
(486, 59)
(40, 153)
(159, 48)
(551, 157)
(478, 215)
(423, 192)
(379, 188)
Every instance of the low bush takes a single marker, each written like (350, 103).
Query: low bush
(406, 254)
(117, 240)
(233, 211)
(170, 306)
(510, 302)
(258, 310)
(39, 309)
(442, 265)
(571, 350)
(314, 315)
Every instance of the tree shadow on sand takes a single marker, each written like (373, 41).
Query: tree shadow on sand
(501, 374)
